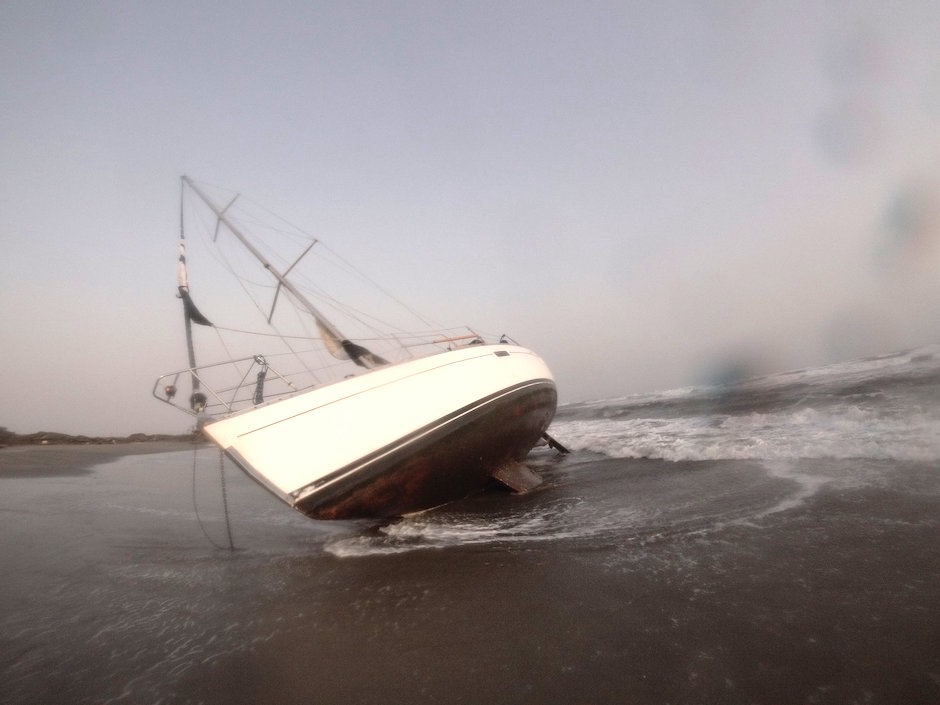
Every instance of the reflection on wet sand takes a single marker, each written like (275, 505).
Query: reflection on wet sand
(619, 581)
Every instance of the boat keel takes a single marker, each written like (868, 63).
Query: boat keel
(518, 477)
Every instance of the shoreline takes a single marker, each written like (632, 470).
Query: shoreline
(42, 438)
(72, 458)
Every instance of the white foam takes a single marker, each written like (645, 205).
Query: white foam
(840, 431)
(563, 519)
(807, 486)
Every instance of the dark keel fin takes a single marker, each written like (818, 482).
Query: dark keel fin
(518, 477)
(552, 443)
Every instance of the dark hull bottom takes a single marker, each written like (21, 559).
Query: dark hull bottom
(454, 460)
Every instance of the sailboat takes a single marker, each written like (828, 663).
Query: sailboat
(432, 417)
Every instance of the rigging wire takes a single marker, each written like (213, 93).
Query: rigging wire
(243, 282)
(374, 328)
(228, 525)
(318, 292)
(299, 233)
(380, 288)
(308, 338)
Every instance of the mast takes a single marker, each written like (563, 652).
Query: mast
(338, 345)
(197, 400)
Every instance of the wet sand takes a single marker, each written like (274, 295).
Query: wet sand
(737, 586)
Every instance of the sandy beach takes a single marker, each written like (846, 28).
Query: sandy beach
(619, 581)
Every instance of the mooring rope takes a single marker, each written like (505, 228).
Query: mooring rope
(228, 525)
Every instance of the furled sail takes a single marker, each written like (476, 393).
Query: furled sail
(363, 356)
(192, 313)
(333, 343)
(344, 349)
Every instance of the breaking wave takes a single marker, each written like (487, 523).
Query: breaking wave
(839, 433)
(882, 408)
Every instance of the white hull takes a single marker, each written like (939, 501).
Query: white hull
(399, 438)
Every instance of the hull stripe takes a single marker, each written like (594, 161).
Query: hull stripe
(450, 421)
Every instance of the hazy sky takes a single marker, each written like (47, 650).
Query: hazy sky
(645, 193)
